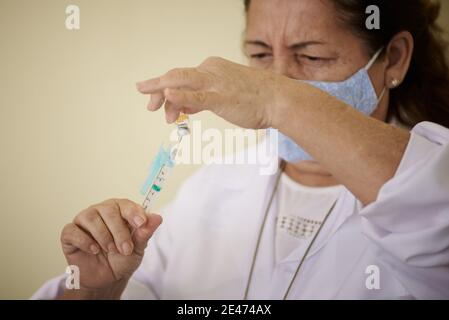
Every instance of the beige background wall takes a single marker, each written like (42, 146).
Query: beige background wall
(73, 129)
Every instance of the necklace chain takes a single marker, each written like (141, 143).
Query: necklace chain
(259, 238)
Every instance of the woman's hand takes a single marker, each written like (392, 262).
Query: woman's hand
(101, 243)
(242, 95)
(360, 152)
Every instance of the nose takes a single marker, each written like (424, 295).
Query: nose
(284, 65)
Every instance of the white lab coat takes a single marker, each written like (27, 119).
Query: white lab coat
(204, 248)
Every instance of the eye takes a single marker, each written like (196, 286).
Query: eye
(309, 58)
(260, 56)
(313, 61)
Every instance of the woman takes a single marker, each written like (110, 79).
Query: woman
(360, 207)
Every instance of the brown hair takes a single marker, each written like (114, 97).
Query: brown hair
(424, 93)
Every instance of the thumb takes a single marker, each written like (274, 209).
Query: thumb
(144, 233)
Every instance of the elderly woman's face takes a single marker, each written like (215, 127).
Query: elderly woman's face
(303, 39)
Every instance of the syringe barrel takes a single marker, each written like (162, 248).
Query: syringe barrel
(164, 161)
(155, 188)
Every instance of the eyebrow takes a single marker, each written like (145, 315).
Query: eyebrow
(295, 46)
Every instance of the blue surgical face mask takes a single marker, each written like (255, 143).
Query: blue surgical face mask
(357, 91)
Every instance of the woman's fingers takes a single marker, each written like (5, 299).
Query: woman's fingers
(239, 94)
(186, 90)
(171, 112)
(73, 238)
(156, 101)
(194, 101)
(190, 78)
(133, 213)
(119, 215)
(188, 102)
(109, 225)
(144, 233)
(90, 221)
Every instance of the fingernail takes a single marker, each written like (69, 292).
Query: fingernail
(127, 248)
(138, 221)
(170, 118)
(155, 221)
(94, 248)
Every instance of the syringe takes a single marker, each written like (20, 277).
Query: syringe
(162, 165)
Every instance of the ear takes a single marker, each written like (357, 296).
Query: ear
(398, 56)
